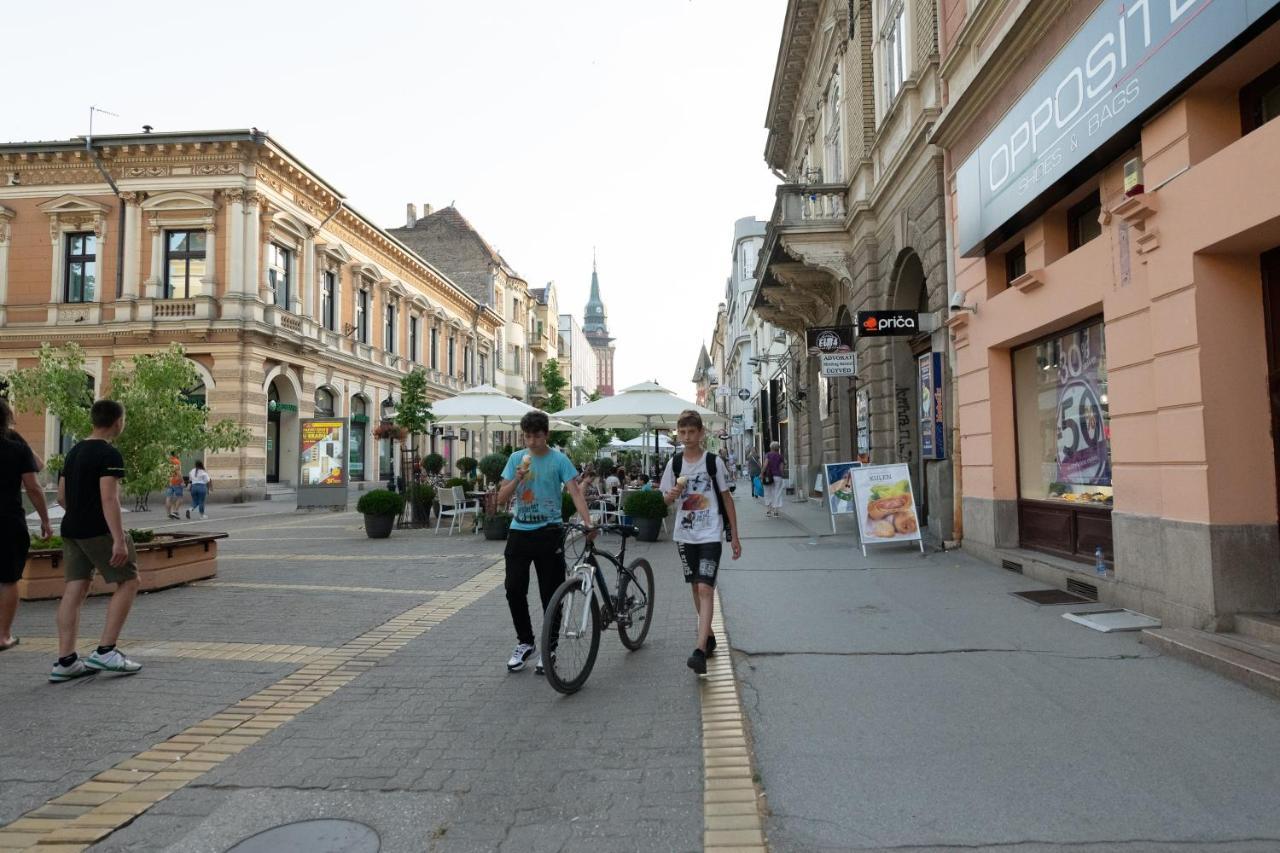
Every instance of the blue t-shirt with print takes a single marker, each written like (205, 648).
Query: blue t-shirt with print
(537, 499)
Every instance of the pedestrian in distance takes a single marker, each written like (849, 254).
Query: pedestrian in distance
(94, 538)
(18, 469)
(699, 483)
(771, 478)
(173, 492)
(199, 489)
(536, 478)
(753, 471)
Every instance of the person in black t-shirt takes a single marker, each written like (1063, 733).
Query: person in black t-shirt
(18, 469)
(93, 537)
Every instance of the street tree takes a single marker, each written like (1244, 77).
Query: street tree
(59, 385)
(414, 411)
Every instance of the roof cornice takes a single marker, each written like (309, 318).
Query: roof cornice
(798, 30)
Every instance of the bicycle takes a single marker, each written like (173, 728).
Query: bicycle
(582, 607)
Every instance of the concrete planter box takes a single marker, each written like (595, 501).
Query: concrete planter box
(171, 559)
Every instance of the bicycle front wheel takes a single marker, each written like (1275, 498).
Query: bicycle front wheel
(635, 604)
(570, 636)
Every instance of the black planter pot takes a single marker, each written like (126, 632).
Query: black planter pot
(379, 526)
(496, 528)
(647, 529)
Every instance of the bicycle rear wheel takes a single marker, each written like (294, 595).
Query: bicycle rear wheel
(568, 645)
(635, 604)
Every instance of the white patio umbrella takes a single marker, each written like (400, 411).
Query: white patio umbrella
(653, 439)
(484, 405)
(647, 406)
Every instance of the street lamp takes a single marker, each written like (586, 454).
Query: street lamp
(388, 412)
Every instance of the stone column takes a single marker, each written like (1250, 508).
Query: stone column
(155, 282)
(235, 240)
(132, 245)
(252, 255)
(305, 301)
(5, 216)
(210, 279)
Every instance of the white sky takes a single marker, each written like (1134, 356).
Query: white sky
(632, 125)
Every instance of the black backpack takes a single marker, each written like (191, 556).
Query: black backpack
(677, 462)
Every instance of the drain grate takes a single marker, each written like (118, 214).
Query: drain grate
(1046, 597)
(1082, 589)
(1011, 566)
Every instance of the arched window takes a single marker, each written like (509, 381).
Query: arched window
(324, 403)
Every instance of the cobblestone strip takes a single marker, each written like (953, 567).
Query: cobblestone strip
(731, 800)
(94, 809)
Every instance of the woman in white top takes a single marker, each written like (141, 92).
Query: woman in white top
(199, 489)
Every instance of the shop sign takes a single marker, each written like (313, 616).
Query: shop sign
(885, 505)
(322, 453)
(828, 339)
(839, 364)
(723, 391)
(744, 395)
(864, 421)
(932, 423)
(882, 324)
(1119, 66)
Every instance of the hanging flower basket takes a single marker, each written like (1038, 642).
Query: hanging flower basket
(389, 430)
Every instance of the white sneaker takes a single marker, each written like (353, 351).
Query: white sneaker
(112, 661)
(77, 669)
(521, 654)
(537, 667)
(204, 514)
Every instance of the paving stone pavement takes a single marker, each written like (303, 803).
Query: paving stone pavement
(435, 745)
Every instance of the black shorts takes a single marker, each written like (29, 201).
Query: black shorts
(701, 561)
(17, 542)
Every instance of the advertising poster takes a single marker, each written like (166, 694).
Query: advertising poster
(885, 505)
(932, 422)
(840, 490)
(1083, 456)
(321, 453)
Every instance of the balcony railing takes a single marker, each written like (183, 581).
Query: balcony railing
(801, 205)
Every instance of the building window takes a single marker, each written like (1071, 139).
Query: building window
(453, 345)
(499, 352)
(279, 274)
(80, 268)
(1063, 418)
(517, 361)
(362, 316)
(1015, 263)
(750, 251)
(413, 339)
(1260, 100)
(329, 300)
(389, 332)
(183, 264)
(435, 348)
(833, 142)
(893, 52)
(324, 403)
(1083, 221)
(484, 369)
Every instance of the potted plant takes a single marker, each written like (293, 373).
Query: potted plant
(380, 508)
(491, 466)
(467, 465)
(421, 496)
(433, 463)
(647, 509)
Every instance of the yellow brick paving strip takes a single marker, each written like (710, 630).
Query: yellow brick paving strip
(731, 802)
(364, 558)
(94, 809)
(306, 587)
(266, 652)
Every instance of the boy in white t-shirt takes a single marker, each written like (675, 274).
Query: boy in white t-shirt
(699, 528)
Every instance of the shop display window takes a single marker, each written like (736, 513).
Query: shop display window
(1063, 419)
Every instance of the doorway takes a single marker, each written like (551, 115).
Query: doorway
(910, 294)
(1271, 312)
(273, 434)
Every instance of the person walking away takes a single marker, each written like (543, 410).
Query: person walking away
(535, 477)
(699, 482)
(93, 537)
(771, 479)
(753, 471)
(199, 489)
(173, 493)
(18, 469)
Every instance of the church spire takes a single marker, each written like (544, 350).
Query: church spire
(595, 318)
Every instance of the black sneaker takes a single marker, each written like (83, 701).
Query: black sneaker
(711, 645)
(698, 662)
(188, 513)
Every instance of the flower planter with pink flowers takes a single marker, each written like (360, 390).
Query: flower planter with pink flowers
(168, 560)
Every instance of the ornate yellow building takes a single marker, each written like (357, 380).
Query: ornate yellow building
(290, 302)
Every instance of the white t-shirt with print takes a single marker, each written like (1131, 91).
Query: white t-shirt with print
(697, 518)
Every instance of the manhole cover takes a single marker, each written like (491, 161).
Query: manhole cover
(312, 836)
(1042, 597)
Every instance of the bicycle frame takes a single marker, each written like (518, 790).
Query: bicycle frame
(593, 579)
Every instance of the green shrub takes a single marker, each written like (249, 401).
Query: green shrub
(467, 465)
(380, 502)
(458, 481)
(648, 504)
(421, 494)
(507, 450)
(433, 463)
(53, 543)
(491, 466)
(141, 536)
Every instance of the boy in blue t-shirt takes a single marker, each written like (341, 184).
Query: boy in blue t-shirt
(534, 477)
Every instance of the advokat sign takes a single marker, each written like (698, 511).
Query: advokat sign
(1127, 57)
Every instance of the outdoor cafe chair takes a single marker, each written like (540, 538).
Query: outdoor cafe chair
(455, 505)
